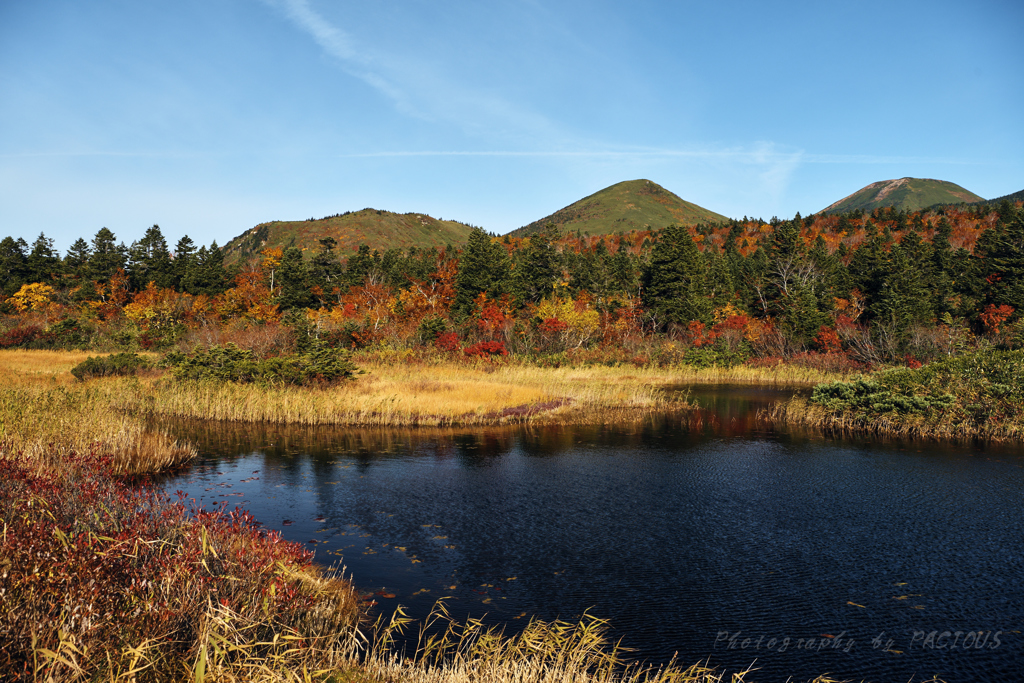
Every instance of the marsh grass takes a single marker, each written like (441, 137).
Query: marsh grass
(45, 415)
(399, 395)
(977, 395)
(447, 651)
(799, 411)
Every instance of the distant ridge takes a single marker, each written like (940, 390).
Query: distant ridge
(379, 230)
(910, 194)
(1015, 197)
(630, 205)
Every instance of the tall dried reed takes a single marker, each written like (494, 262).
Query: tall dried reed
(544, 652)
(46, 415)
(413, 396)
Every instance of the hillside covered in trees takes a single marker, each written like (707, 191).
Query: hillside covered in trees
(848, 290)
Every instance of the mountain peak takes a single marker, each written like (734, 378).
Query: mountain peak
(903, 193)
(630, 205)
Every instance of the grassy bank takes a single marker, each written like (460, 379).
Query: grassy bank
(45, 415)
(976, 395)
(103, 580)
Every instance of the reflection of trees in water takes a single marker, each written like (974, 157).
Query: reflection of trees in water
(237, 439)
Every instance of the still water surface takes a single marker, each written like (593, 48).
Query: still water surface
(705, 535)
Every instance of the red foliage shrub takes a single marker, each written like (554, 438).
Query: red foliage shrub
(486, 349)
(19, 336)
(994, 316)
(553, 325)
(912, 362)
(447, 342)
(111, 566)
(828, 340)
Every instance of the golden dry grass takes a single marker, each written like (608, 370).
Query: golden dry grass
(400, 395)
(45, 414)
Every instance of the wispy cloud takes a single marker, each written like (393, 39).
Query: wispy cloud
(415, 87)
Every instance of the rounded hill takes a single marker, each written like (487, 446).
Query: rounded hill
(909, 194)
(629, 205)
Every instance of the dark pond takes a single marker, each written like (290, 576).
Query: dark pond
(705, 534)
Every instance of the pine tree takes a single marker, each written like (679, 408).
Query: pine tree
(293, 279)
(536, 269)
(43, 262)
(150, 261)
(675, 282)
(76, 261)
(107, 256)
(483, 267)
(184, 257)
(13, 264)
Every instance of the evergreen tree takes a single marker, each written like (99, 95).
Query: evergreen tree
(150, 261)
(536, 268)
(13, 264)
(107, 256)
(206, 273)
(483, 267)
(360, 265)
(325, 270)
(184, 257)
(293, 279)
(675, 282)
(76, 261)
(43, 263)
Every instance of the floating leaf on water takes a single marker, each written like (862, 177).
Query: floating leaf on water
(511, 578)
(287, 522)
(855, 604)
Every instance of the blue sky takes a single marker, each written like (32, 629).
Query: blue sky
(209, 117)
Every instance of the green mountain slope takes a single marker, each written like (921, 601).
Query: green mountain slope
(1015, 197)
(905, 193)
(379, 229)
(630, 205)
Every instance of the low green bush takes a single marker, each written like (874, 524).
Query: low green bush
(985, 384)
(319, 366)
(105, 366)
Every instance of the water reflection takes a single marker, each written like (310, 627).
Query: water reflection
(691, 532)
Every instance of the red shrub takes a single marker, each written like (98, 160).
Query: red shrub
(994, 316)
(828, 340)
(19, 336)
(553, 325)
(448, 342)
(486, 349)
(125, 565)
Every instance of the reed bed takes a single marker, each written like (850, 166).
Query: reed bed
(45, 415)
(782, 375)
(799, 411)
(447, 651)
(398, 395)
